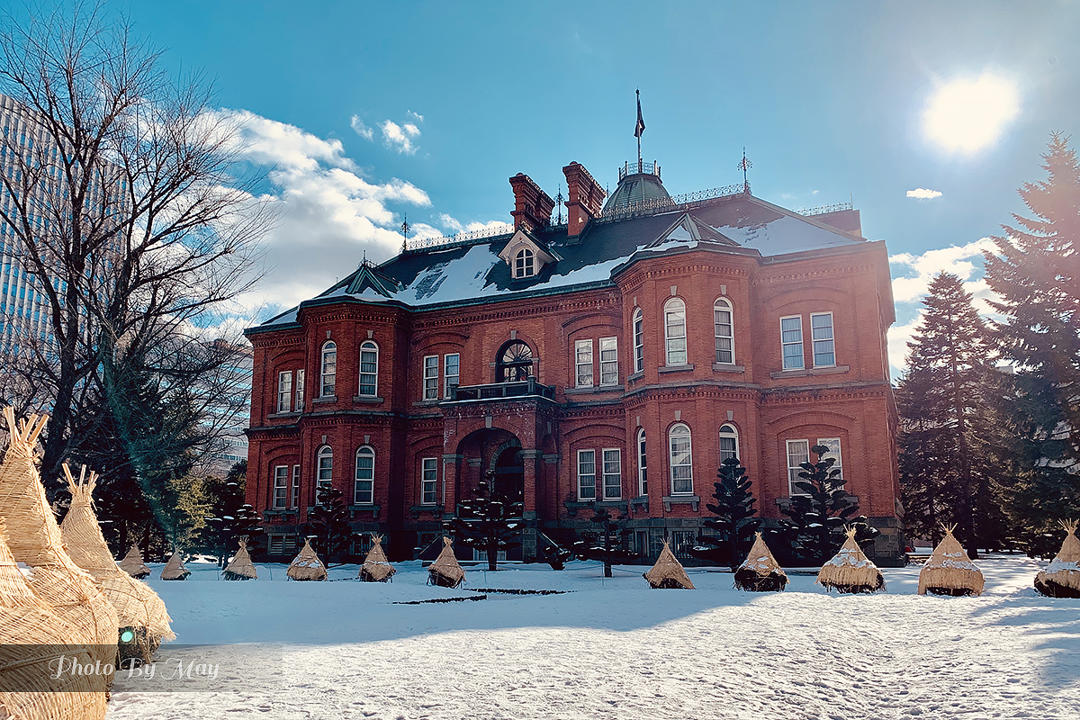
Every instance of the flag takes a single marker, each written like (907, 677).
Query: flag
(640, 127)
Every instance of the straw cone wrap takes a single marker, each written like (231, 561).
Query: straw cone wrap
(445, 571)
(133, 564)
(241, 567)
(137, 606)
(668, 572)
(760, 572)
(376, 567)
(307, 565)
(32, 642)
(949, 571)
(174, 569)
(34, 539)
(850, 571)
(1061, 578)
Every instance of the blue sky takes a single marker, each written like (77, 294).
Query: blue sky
(827, 97)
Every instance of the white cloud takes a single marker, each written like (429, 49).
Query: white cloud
(268, 142)
(923, 194)
(415, 115)
(360, 128)
(400, 137)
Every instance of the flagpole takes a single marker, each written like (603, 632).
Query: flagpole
(637, 93)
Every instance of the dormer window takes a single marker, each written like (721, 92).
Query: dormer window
(524, 263)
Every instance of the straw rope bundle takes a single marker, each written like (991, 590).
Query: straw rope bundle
(760, 572)
(138, 608)
(1061, 578)
(133, 564)
(949, 571)
(668, 572)
(34, 540)
(174, 569)
(241, 567)
(376, 567)
(445, 571)
(34, 642)
(307, 565)
(850, 571)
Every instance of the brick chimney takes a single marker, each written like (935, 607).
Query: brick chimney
(532, 206)
(585, 197)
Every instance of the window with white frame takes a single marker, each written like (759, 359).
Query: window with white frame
(609, 361)
(295, 500)
(639, 340)
(364, 480)
(834, 452)
(729, 443)
(675, 331)
(798, 452)
(821, 334)
(612, 458)
(369, 368)
(583, 365)
(429, 476)
(681, 460)
(451, 373)
(431, 377)
(586, 474)
(281, 486)
(299, 405)
(324, 464)
(724, 331)
(791, 342)
(284, 391)
(524, 263)
(328, 373)
(642, 473)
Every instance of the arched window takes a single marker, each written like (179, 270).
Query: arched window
(324, 469)
(328, 369)
(724, 331)
(681, 456)
(369, 368)
(524, 263)
(514, 362)
(729, 443)
(364, 481)
(642, 476)
(675, 331)
(639, 340)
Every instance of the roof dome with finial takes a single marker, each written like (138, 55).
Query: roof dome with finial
(639, 184)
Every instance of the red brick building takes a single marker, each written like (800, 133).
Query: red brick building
(614, 359)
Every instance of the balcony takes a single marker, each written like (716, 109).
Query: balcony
(499, 391)
(638, 167)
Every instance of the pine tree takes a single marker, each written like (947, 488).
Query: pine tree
(607, 543)
(1035, 271)
(734, 524)
(230, 518)
(820, 511)
(950, 439)
(488, 522)
(329, 523)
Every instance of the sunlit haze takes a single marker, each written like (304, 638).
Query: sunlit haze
(967, 115)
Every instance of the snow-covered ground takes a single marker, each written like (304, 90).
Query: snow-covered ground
(612, 649)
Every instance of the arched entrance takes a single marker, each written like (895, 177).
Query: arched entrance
(509, 478)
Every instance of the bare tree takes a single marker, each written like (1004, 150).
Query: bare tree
(121, 195)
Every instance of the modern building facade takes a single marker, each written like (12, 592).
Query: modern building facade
(614, 359)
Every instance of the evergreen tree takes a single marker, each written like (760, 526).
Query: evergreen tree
(734, 524)
(487, 522)
(230, 517)
(821, 510)
(950, 432)
(1035, 270)
(329, 523)
(607, 543)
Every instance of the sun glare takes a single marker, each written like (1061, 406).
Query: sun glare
(968, 114)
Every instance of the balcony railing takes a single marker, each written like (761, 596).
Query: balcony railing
(635, 167)
(497, 391)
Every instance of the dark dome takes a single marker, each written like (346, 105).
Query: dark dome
(637, 188)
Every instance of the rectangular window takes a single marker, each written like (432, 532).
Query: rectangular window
(682, 542)
(299, 391)
(642, 472)
(791, 342)
(586, 474)
(369, 369)
(295, 500)
(583, 363)
(612, 474)
(639, 341)
(725, 340)
(276, 545)
(284, 391)
(363, 488)
(798, 452)
(729, 446)
(675, 332)
(834, 452)
(682, 471)
(821, 331)
(429, 475)
(281, 486)
(609, 361)
(451, 373)
(431, 377)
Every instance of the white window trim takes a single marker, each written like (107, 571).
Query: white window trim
(730, 307)
(430, 391)
(839, 454)
(281, 472)
(294, 497)
(615, 342)
(667, 333)
(578, 364)
(642, 462)
(434, 482)
(327, 347)
(578, 475)
(447, 375)
(831, 339)
(284, 391)
(789, 467)
(368, 346)
(327, 452)
(299, 390)
(524, 269)
(801, 344)
(604, 473)
(671, 457)
(734, 433)
(638, 318)
(356, 479)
